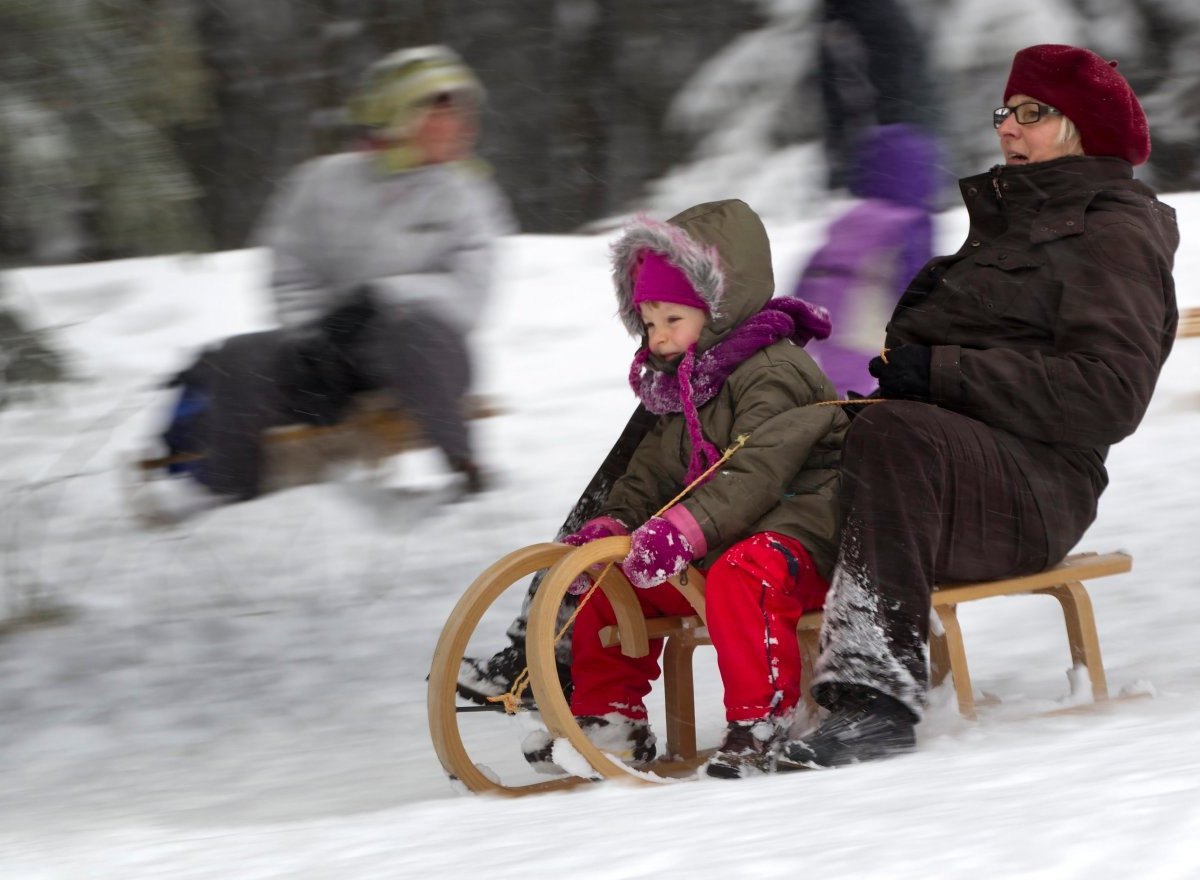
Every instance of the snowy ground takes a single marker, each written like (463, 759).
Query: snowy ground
(244, 696)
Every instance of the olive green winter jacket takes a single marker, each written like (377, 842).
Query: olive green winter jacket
(785, 478)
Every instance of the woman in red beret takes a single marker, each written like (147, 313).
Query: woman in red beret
(1009, 369)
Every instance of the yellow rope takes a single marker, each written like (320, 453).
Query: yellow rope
(512, 698)
(858, 402)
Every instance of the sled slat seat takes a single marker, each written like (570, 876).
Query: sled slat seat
(375, 416)
(374, 429)
(1189, 323)
(947, 653)
(372, 432)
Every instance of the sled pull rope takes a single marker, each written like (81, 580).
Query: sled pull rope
(512, 699)
(883, 353)
(862, 401)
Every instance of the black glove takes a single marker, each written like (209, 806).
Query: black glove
(343, 325)
(320, 377)
(905, 374)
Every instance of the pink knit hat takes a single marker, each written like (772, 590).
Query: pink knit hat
(660, 280)
(657, 279)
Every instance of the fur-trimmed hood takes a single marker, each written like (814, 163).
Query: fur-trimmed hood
(723, 250)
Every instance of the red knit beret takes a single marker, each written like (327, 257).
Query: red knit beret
(1089, 92)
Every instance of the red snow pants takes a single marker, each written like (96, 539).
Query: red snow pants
(754, 594)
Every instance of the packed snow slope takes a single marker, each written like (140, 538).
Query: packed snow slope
(243, 696)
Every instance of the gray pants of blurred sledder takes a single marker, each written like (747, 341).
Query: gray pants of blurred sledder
(418, 358)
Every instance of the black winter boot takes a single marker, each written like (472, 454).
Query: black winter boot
(864, 725)
(474, 478)
(479, 679)
(750, 748)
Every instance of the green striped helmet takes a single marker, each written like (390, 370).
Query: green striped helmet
(395, 88)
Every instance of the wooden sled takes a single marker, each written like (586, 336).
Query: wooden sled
(374, 431)
(632, 632)
(947, 651)
(1189, 323)
(565, 564)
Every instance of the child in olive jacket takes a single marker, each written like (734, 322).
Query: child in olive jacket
(719, 359)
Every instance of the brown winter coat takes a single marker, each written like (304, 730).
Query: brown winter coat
(1052, 322)
(785, 479)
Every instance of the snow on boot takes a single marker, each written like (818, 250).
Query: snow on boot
(538, 749)
(750, 748)
(479, 679)
(629, 740)
(865, 725)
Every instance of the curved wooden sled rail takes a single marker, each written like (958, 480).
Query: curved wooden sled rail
(452, 645)
(565, 563)
(633, 631)
(543, 676)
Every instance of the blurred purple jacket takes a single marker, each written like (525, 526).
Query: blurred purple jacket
(873, 250)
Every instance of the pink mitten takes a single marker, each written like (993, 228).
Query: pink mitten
(592, 530)
(659, 549)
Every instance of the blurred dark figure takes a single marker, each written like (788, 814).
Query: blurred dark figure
(381, 268)
(874, 71)
(880, 108)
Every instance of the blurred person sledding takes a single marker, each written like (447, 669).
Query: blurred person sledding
(879, 113)
(381, 268)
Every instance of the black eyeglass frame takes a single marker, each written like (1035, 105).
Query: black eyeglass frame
(1038, 110)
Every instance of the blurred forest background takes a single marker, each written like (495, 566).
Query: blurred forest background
(137, 127)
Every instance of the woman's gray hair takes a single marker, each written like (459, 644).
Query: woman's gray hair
(1067, 132)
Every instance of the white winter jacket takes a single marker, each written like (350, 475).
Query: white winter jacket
(418, 238)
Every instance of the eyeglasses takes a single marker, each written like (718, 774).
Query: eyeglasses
(1027, 114)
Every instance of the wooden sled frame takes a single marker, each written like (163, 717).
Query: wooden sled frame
(374, 414)
(565, 564)
(947, 652)
(1189, 323)
(374, 429)
(447, 657)
(683, 635)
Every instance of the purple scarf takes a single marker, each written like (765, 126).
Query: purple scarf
(698, 379)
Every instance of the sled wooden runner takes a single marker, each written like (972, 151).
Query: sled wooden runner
(375, 427)
(452, 645)
(564, 563)
(634, 640)
(947, 652)
(683, 635)
(1189, 323)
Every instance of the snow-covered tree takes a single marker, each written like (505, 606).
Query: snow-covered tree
(754, 115)
(90, 91)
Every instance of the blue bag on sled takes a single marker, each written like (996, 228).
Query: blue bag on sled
(185, 429)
